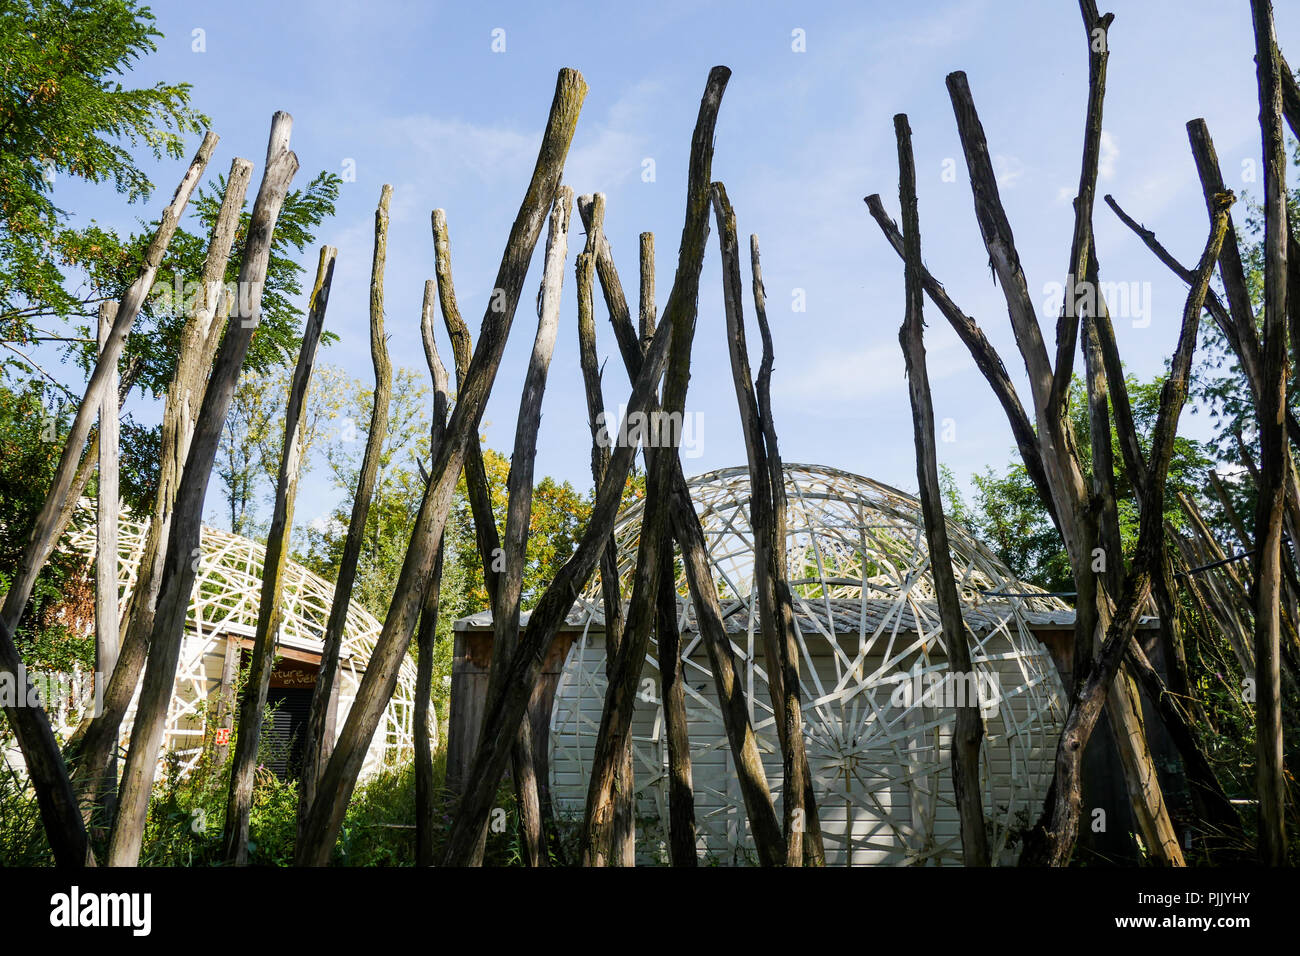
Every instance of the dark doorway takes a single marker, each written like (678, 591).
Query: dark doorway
(289, 708)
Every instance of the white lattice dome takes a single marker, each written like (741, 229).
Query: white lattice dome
(871, 646)
(224, 603)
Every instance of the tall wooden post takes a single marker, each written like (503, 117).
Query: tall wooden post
(106, 620)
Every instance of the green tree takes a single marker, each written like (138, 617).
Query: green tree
(1009, 515)
(252, 441)
(560, 513)
(56, 630)
(1218, 383)
(62, 112)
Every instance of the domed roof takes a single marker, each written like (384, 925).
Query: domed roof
(225, 600)
(228, 587)
(855, 548)
(868, 630)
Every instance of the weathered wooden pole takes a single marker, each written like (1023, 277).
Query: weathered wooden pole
(968, 734)
(320, 731)
(1269, 771)
(680, 314)
(270, 611)
(1059, 454)
(1090, 691)
(106, 620)
(504, 712)
(689, 534)
(181, 563)
(682, 850)
(776, 611)
(45, 766)
(325, 819)
(95, 740)
(476, 482)
(813, 846)
(519, 509)
(623, 837)
(427, 631)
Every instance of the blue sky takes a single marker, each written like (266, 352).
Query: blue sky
(414, 95)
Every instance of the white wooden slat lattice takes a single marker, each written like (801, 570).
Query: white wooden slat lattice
(865, 617)
(225, 601)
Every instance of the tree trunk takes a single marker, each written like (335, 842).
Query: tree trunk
(319, 733)
(106, 621)
(426, 634)
(623, 837)
(767, 482)
(96, 740)
(969, 731)
(505, 711)
(45, 766)
(1055, 436)
(1269, 770)
(476, 482)
(270, 613)
(748, 764)
(324, 822)
(181, 563)
(1062, 829)
(682, 850)
(680, 314)
(519, 517)
(814, 848)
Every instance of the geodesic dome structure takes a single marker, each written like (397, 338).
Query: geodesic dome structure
(224, 605)
(877, 717)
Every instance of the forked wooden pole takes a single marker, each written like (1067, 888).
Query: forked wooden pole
(969, 732)
(270, 610)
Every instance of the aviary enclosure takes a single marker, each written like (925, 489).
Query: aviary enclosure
(770, 663)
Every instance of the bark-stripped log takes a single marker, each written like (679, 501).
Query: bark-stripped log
(776, 611)
(505, 712)
(624, 826)
(1091, 690)
(96, 740)
(326, 817)
(680, 314)
(743, 743)
(1274, 454)
(682, 849)
(1064, 473)
(968, 734)
(181, 563)
(476, 482)
(814, 848)
(270, 611)
(320, 724)
(519, 510)
(426, 632)
(45, 766)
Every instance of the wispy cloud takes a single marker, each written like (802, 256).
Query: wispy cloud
(1109, 154)
(857, 374)
(1007, 169)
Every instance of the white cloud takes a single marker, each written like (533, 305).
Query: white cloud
(857, 374)
(1109, 153)
(1007, 169)
(454, 148)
